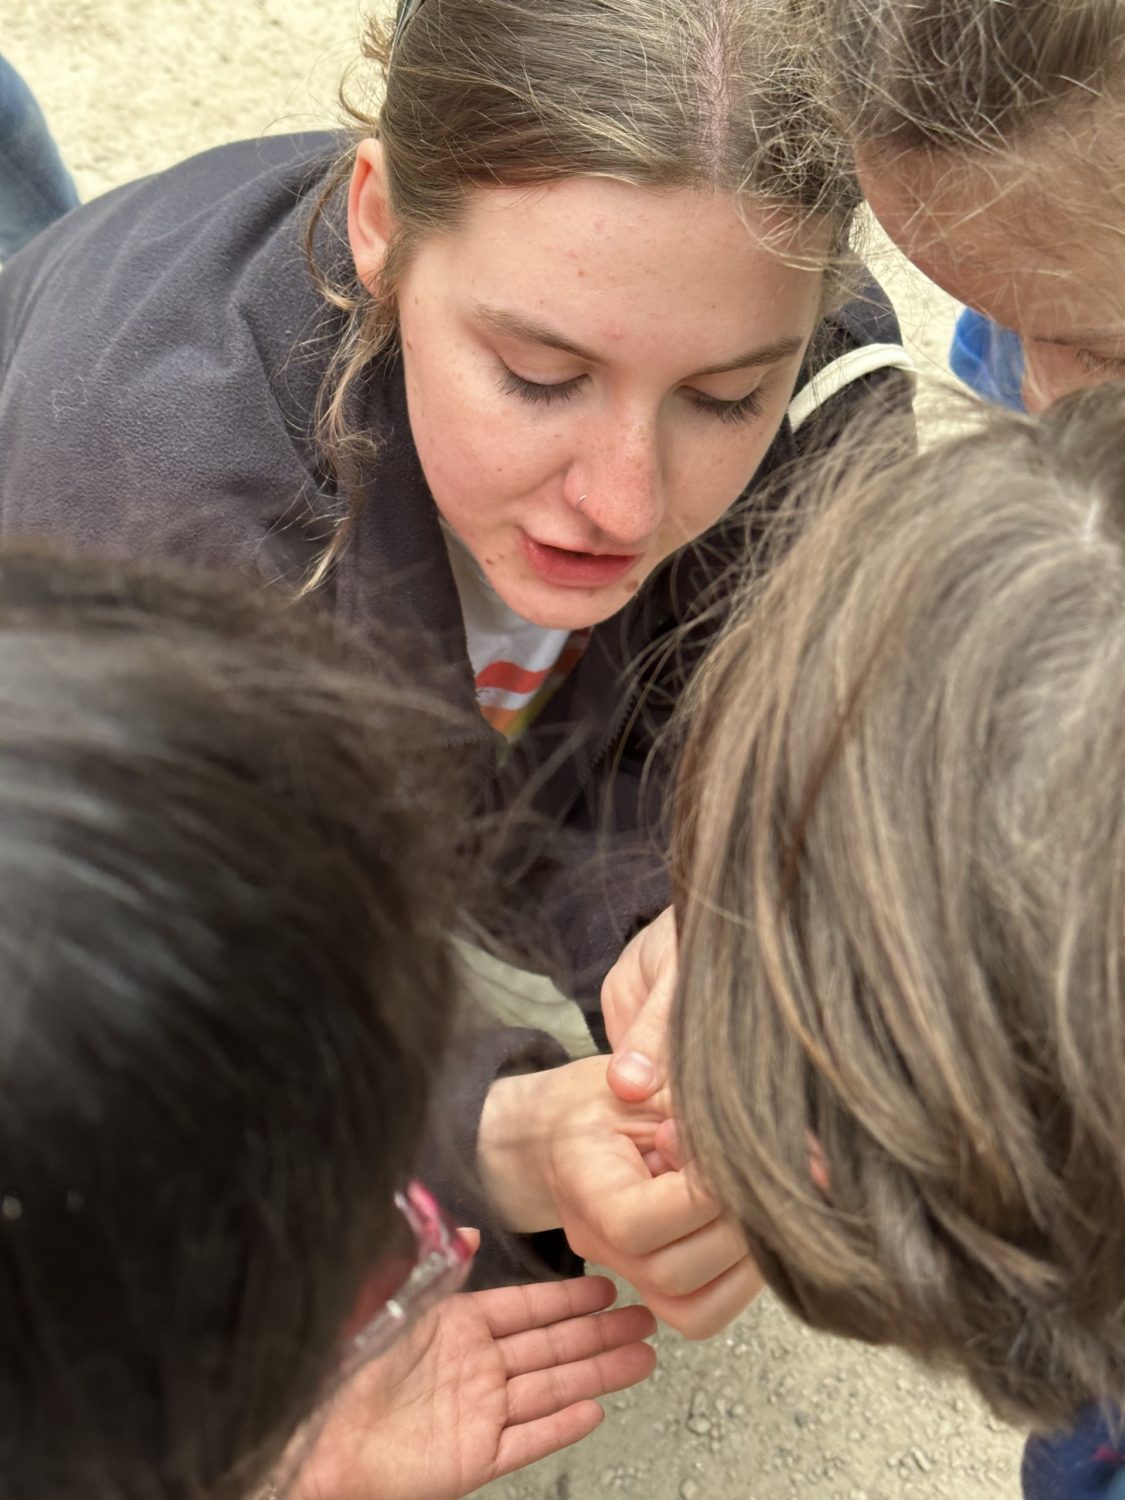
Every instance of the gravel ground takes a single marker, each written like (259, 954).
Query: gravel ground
(768, 1410)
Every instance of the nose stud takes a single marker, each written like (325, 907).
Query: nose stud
(582, 501)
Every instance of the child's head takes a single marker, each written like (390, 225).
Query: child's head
(990, 140)
(901, 866)
(224, 985)
(599, 232)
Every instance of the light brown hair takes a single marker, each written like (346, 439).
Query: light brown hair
(900, 865)
(965, 74)
(664, 94)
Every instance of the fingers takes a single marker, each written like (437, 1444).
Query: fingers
(516, 1309)
(689, 1264)
(606, 1188)
(520, 1446)
(636, 1003)
(668, 1146)
(544, 1392)
(552, 1409)
(651, 1212)
(707, 1312)
(575, 1339)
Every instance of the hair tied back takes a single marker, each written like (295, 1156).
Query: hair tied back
(406, 10)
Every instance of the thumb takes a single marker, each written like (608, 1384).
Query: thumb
(638, 1067)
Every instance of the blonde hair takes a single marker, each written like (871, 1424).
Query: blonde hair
(665, 94)
(900, 865)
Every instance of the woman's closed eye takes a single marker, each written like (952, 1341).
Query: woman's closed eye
(536, 392)
(545, 393)
(743, 410)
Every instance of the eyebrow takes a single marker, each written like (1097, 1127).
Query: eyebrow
(530, 331)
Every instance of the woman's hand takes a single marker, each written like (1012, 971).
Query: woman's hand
(637, 1005)
(487, 1383)
(559, 1149)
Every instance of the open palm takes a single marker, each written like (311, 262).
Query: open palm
(487, 1382)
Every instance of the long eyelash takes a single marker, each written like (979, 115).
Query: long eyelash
(729, 411)
(534, 393)
(1098, 364)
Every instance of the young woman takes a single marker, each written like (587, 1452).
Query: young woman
(552, 340)
(990, 142)
(568, 315)
(227, 986)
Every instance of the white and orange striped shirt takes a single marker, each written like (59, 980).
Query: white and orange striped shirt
(517, 666)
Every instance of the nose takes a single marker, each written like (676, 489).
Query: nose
(620, 475)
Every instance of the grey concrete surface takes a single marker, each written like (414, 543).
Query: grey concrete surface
(767, 1411)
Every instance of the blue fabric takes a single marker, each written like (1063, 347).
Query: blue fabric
(1086, 1463)
(989, 359)
(35, 187)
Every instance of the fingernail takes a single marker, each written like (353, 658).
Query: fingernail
(636, 1069)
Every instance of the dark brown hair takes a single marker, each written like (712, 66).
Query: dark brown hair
(900, 863)
(226, 982)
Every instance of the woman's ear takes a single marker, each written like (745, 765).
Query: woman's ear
(370, 222)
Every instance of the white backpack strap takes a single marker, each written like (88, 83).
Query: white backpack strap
(837, 376)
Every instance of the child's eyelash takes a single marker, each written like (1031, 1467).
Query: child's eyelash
(1100, 364)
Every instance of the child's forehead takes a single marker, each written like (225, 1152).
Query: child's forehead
(998, 239)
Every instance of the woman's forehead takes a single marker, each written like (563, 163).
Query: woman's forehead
(619, 250)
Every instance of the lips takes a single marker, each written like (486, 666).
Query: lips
(568, 568)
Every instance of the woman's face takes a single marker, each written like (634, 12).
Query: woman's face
(594, 372)
(998, 245)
